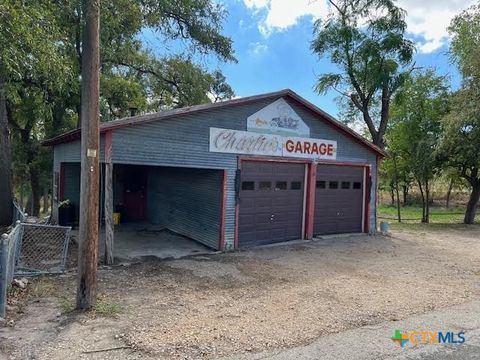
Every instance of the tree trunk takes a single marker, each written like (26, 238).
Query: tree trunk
(22, 197)
(6, 196)
(392, 193)
(29, 205)
(427, 203)
(45, 200)
(423, 201)
(399, 215)
(449, 193)
(35, 185)
(472, 204)
(405, 194)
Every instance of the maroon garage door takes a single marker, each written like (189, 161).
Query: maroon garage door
(338, 200)
(271, 202)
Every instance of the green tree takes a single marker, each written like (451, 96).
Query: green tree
(416, 129)
(460, 145)
(29, 57)
(365, 39)
(42, 82)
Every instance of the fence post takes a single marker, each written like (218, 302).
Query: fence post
(3, 274)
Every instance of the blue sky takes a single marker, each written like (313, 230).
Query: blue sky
(272, 39)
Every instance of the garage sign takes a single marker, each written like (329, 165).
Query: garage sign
(251, 143)
(278, 118)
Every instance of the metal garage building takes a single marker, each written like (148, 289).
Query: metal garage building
(249, 171)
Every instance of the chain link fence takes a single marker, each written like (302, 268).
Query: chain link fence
(9, 248)
(18, 214)
(43, 249)
(31, 249)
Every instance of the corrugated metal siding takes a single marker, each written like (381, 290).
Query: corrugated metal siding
(183, 142)
(186, 201)
(70, 153)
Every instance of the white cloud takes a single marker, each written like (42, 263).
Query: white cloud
(281, 14)
(257, 49)
(427, 20)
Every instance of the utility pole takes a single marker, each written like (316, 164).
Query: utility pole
(89, 183)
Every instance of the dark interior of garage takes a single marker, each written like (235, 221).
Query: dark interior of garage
(186, 201)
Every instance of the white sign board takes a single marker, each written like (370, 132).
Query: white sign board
(308, 148)
(278, 118)
(245, 142)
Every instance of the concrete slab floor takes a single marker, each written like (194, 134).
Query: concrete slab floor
(136, 240)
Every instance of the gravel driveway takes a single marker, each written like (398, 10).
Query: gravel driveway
(256, 300)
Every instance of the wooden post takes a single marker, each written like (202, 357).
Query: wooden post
(109, 232)
(3, 274)
(89, 183)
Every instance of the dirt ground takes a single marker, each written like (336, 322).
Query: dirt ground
(214, 306)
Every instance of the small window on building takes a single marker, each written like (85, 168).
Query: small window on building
(321, 184)
(281, 185)
(333, 185)
(345, 184)
(357, 185)
(265, 185)
(295, 185)
(248, 185)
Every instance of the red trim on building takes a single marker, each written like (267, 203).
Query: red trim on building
(237, 207)
(367, 182)
(341, 163)
(310, 206)
(273, 159)
(223, 209)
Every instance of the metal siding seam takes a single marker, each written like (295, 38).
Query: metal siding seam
(189, 208)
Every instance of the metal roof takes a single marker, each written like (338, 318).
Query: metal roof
(140, 119)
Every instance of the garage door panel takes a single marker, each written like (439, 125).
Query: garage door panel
(338, 206)
(247, 219)
(277, 215)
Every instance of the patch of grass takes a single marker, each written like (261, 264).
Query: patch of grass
(106, 309)
(413, 214)
(440, 218)
(44, 288)
(101, 308)
(67, 305)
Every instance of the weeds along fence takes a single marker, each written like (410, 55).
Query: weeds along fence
(31, 249)
(9, 248)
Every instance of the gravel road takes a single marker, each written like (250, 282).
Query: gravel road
(249, 302)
